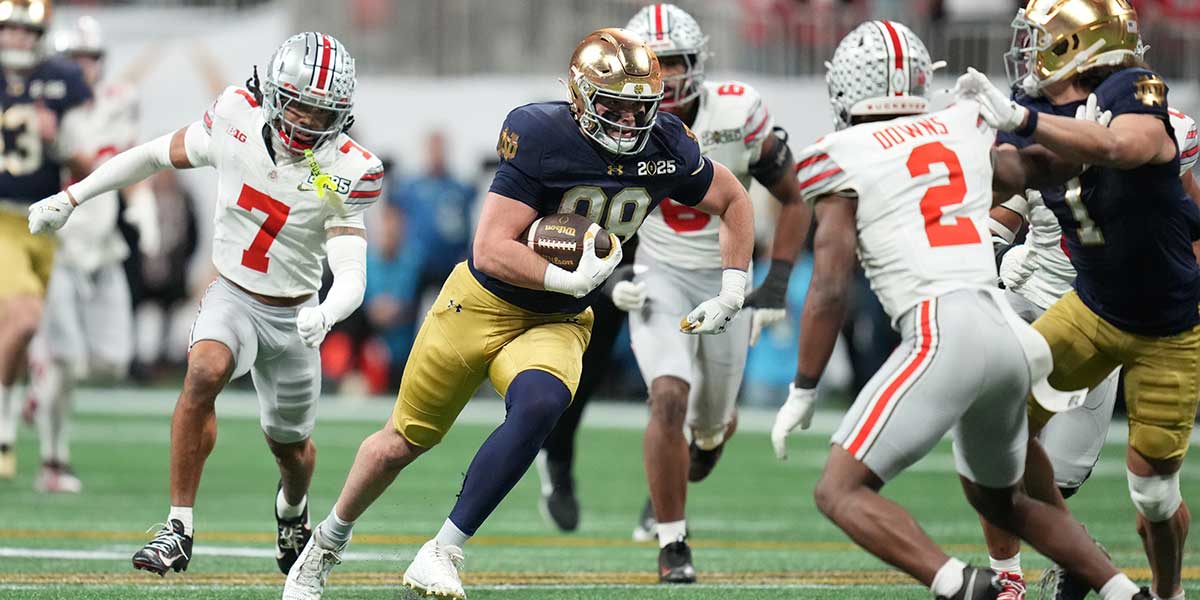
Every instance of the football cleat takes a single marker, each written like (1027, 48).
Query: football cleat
(306, 579)
(170, 549)
(675, 563)
(978, 584)
(1012, 586)
(702, 461)
(8, 462)
(56, 478)
(1144, 594)
(557, 501)
(1058, 584)
(647, 527)
(434, 571)
(291, 537)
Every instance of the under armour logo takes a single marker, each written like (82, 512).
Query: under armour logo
(452, 304)
(616, 170)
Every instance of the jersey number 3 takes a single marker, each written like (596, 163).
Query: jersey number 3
(938, 197)
(255, 257)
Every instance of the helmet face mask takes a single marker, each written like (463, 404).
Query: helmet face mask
(615, 88)
(680, 89)
(308, 91)
(1055, 40)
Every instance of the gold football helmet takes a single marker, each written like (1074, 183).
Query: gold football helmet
(1054, 40)
(33, 15)
(615, 87)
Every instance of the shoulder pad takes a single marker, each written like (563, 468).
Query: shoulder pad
(229, 104)
(525, 135)
(1133, 91)
(679, 141)
(1185, 139)
(738, 105)
(817, 173)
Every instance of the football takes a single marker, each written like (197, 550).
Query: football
(559, 239)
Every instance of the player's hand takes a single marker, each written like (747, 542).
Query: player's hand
(629, 296)
(796, 412)
(312, 325)
(769, 301)
(1013, 268)
(142, 213)
(995, 106)
(1090, 111)
(713, 315)
(50, 214)
(591, 272)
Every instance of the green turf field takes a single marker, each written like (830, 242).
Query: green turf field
(755, 531)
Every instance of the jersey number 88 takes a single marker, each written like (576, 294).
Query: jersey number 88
(620, 215)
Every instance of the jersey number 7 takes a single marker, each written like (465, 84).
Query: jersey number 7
(938, 197)
(255, 257)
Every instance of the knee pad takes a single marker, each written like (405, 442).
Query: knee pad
(1157, 497)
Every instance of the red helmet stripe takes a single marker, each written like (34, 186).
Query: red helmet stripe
(658, 21)
(898, 50)
(326, 50)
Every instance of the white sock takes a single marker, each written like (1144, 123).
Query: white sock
(451, 535)
(287, 511)
(949, 579)
(9, 409)
(184, 515)
(1007, 565)
(335, 531)
(1120, 587)
(669, 533)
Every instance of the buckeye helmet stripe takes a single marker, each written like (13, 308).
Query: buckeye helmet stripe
(659, 20)
(326, 50)
(899, 54)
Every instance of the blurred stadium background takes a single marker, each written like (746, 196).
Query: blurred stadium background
(436, 78)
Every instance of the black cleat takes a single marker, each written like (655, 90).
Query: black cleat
(1144, 594)
(675, 563)
(291, 537)
(558, 502)
(978, 584)
(169, 550)
(702, 461)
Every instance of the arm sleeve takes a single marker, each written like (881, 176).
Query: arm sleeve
(347, 255)
(136, 164)
(819, 175)
(520, 171)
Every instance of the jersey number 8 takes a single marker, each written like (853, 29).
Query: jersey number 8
(621, 215)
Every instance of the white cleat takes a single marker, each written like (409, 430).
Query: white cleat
(55, 479)
(306, 580)
(434, 571)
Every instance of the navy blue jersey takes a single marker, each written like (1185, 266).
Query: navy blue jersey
(548, 164)
(29, 170)
(1129, 232)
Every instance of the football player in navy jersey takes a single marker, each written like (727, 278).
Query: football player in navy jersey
(508, 315)
(1128, 226)
(42, 130)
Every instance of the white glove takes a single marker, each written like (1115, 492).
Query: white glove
(1090, 111)
(762, 318)
(995, 106)
(50, 214)
(312, 325)
(591, 272)
(1013, 268)
(629, 296)
(714, 314)
(141, 211)
(796, 412)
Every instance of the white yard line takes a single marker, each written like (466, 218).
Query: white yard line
(223, 551)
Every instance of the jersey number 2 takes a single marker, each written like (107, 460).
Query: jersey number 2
(938, 197)
(255, 257)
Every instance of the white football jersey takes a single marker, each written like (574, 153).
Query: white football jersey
(924, 188)
(269, 226)
(731, 124)
(91, 239)
(1045, 273)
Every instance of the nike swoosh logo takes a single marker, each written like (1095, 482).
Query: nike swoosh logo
(165, 561)
(305, 188)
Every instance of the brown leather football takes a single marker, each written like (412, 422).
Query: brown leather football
(559, 239)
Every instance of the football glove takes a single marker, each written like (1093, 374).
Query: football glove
(769, 301)
(591, 272)
(626, 294)
(1090, 111)
(995, 107)
(796, 412)
(50, 214)
(312, 325)
(713, 315)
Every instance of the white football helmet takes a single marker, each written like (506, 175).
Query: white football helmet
(85, 39)
(316, 72)
(880, 68)
(671, 31)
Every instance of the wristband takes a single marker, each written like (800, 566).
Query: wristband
(805, 382)
(1031, 123)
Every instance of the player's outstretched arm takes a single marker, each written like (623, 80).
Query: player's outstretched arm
(727, 199)
(183, 149)
(835, 245)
